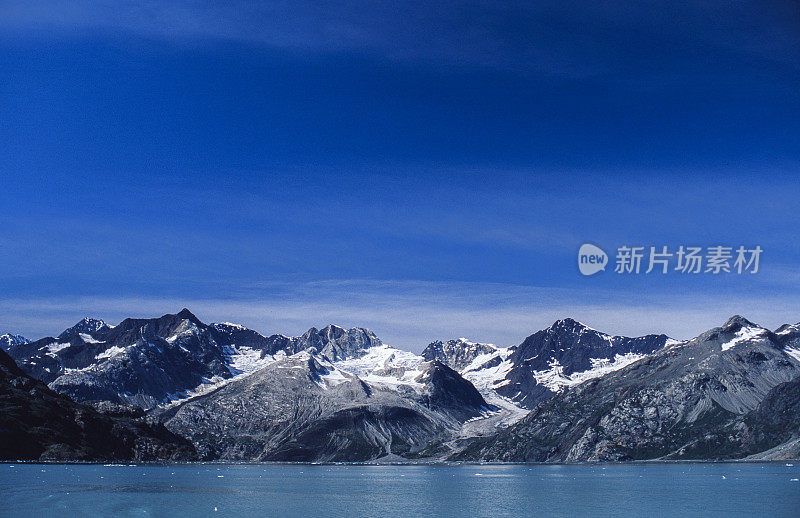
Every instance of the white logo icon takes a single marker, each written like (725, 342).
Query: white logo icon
(591, 259)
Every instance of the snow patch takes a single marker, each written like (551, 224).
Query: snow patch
(186, 328)
(244, 360)
(231, 325)
(794, 352)
(555, 379)
(54, 347)
(489, 378)
(788, 329)
(89, 339)
(333, 377)
(68, 371)
(111, 352)
(743, 335)
(385, 365)
(11, 340)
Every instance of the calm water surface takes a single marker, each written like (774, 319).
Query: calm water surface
(768, 489)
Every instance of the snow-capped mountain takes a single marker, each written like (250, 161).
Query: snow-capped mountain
(336, 343)
(304, 407)
(140, 361)
(789, 338)
(9, 341)
(485, 366)
(86, 326)
(729, 393)
(335, 394)
(547, 362)
(370, 399)
(174, 358)
(152, 362)
(333, 342)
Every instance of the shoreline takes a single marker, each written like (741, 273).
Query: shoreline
(370, 463)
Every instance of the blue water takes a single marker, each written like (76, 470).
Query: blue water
(728, 490)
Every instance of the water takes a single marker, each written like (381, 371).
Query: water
(764, 489)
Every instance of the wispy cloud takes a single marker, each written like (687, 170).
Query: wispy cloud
(576, 39)
(410, 314)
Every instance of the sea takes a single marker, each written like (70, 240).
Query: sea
(309, 490)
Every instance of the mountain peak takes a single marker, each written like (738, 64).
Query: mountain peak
(333, 330)
(737, 322)
(787, 328)
(337, 343)
(7, 341)
(568, 324)
(456, 354)
(185, 313)
(86, 325)
(228, 326)
(568, 320)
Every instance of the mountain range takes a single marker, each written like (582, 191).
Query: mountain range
(732, 392)
(565, 393)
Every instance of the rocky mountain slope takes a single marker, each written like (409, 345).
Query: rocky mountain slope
(306, 408)
(457, 354)
(730, 392)
(36, 423)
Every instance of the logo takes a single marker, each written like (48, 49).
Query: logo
(591, 259)
(680, 260)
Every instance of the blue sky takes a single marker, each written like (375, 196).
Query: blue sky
(427, 171)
